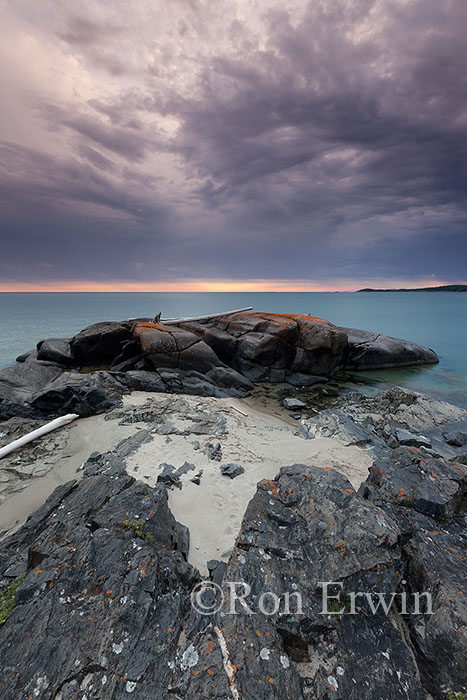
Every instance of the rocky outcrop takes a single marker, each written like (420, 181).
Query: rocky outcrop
(307, 527)
(106, 592)
(275, 347)
(386, 421)
(169, 346)
(100, 343)
(107, 605)
(21, 381)
(57, 350)
(429, 509)
(415, 479)
(219, 357)
(84, 394)
(375, 351)
(106, 596)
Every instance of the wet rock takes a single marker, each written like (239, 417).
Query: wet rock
(414, 479)
(232, 470)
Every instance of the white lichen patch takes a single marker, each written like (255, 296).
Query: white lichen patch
(190, 658)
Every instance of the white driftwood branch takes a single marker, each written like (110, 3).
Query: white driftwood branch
(239, 411)
(43, 430)
(175, 321)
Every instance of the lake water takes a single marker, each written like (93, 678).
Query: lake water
(435, 319)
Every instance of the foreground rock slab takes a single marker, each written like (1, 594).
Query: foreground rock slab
(99, 613)
(306, 527)
(412, 478)
(435, 554)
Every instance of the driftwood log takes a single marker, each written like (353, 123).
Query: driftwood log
(175, 321)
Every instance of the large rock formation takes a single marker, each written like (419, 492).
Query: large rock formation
(276, 347)
(218, 357)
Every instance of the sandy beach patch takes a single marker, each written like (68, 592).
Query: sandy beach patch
(190, 437)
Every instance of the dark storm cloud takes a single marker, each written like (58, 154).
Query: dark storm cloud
(325, 143)
(313, 93)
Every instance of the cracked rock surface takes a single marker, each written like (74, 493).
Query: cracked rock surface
(221, 357)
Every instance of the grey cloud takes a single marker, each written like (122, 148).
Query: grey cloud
(82, 31)
(299, 152)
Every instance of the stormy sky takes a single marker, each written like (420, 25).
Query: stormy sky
(233, 144)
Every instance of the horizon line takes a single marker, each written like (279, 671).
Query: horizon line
(197, 285)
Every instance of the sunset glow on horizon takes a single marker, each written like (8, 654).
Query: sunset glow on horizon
(219, 285)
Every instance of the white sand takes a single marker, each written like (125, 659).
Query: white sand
(261, 442)
(80, 439)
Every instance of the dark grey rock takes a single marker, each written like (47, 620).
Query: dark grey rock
(84, 394)
(405, 437)
(100, 343)
(213, 451)
(457, 438)
(113, 598)
(21, 381)
(305, 527)
(414, 479)
(56, 350)
(460, 458)
(436, 560)
(228, 378)
(216, 570)
(232, 470)
(367, 350)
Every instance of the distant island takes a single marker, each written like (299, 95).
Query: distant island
(443, 288)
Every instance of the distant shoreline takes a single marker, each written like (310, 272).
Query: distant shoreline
(443, 288)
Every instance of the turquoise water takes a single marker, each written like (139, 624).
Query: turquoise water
(437, 320)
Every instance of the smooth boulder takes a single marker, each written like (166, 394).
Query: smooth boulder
(367, 350)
